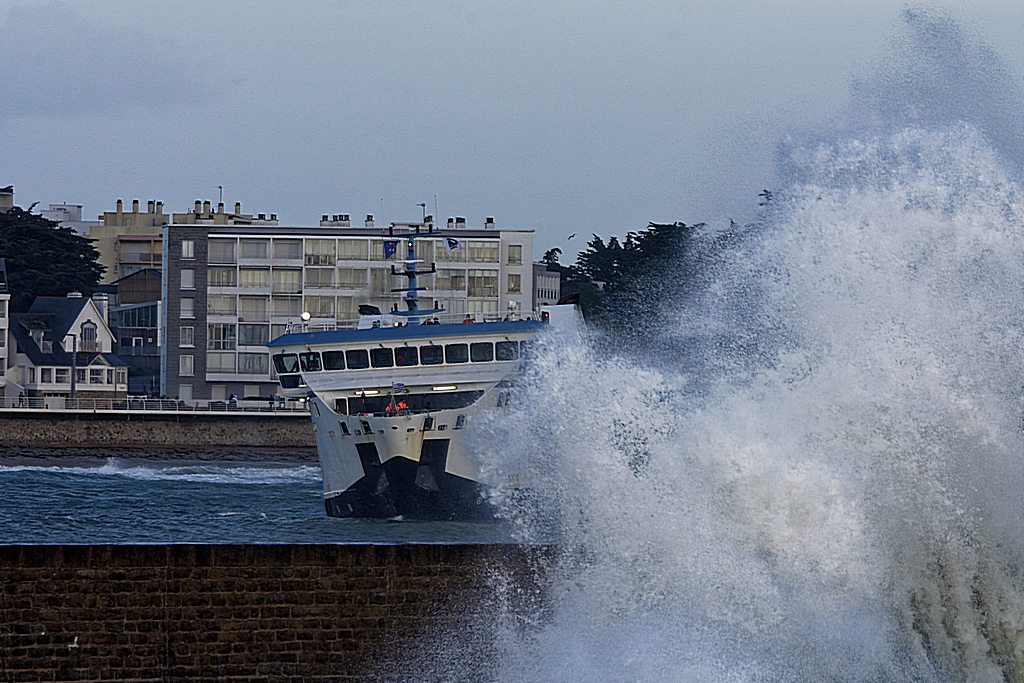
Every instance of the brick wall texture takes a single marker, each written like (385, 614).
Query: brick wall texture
(70, 429)
(259, 613)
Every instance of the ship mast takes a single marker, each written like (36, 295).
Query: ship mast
(413, 312)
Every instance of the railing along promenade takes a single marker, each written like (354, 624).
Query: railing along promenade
(61, 404)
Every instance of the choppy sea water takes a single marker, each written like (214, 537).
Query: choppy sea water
(127, 496)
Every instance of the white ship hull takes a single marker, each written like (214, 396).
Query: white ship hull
(413, 465)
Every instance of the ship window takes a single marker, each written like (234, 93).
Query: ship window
(481, 352)
(406, 355)
(285, 363)
(357, 359)
(341, 407)
(334, 360)
(507, 350)
(431, 355)
(290, 381)
(456, 353)
(381, 358)
(310, 362)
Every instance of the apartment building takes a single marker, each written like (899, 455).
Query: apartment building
(227, 290)
(130, 241)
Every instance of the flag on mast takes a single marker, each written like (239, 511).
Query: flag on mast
(451, 243)
(390, 247)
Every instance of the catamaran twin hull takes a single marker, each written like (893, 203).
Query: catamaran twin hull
(394, 408)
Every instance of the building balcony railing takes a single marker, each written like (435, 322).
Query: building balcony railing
(90, 347)
(57, 403)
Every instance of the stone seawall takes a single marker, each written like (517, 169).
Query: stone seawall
(111, 428)
(260, 613)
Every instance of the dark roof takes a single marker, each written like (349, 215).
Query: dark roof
(63, 309)
(23, 323)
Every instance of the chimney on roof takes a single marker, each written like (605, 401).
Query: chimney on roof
(206, 208)
(120, 206)
(460, 223)
(149, 206)
(199, 207)
(220, 207)
(135, 206)
(238, 208)
(74, 295)
(451, 223)
(369, 220)
(489, 223)
(159, 207)
(324, 218)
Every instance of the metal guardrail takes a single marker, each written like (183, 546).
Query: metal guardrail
(59, 403)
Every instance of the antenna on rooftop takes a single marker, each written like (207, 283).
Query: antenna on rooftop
(423, 206)
(221, 188)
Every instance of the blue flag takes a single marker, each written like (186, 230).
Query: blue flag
(390, 247)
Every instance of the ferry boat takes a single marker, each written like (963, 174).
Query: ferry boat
(394, 401)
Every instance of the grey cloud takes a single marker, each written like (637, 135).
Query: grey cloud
(56, 62)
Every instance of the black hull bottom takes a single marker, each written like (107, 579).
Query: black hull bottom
(407, 489)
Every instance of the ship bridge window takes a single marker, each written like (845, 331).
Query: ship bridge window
(431, 355)
(506, 350)
(334, 360)
(406, 355)
(456, 353)
(381, 358)
(286, 363)
(290, 381)
(309, 362)
(357, 359)
(480, 352)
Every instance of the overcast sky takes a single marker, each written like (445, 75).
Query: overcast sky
(561, 116)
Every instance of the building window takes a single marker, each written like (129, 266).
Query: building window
(46, 375)
(220, 304)
(220, 277)
(319, 278)
(352, 250)
(220, 362)
(254, 363)
(287, 249)
(320, 306)
(95, 375)
(188, 249)
(63, 376)
(515, 283)
(122, 375)
(454, 280)
(80, 375)
(482, 283)
(253, 278)
(186, 336)
(253, 335)
(188, 307)
(287, 281)
(254, 309)
(254, 249)
(515, 254)
(188, 278)
(110, 376)
(3, 309)
(220, 336)
(351, 278)
(185, 366)
(222, 251)
(87, 339)
(483, 251)
(287, 306)
(319, 252)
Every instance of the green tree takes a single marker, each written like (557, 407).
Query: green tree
(44, 259)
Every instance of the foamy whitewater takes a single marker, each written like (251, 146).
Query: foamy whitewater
(843, 499)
